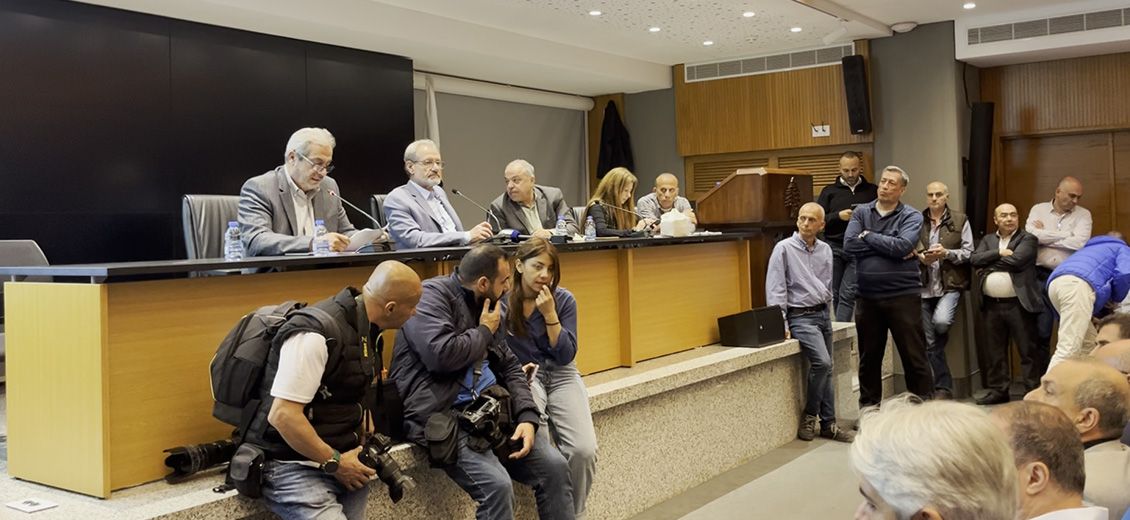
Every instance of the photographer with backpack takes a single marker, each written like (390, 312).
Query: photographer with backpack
(323, 363)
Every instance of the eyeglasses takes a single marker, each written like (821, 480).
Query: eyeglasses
(324, 168)
(431, 163)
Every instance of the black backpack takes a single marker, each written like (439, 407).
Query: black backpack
(238, 366)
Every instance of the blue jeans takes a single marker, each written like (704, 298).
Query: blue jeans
(487, 480)
(299, 492)
(937, 318)
(563, 400)
(814, 332)
(844, 285)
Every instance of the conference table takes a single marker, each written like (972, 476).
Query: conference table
(107, 364)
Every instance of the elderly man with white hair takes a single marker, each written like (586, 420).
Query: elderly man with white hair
(278, 209)
(940, 460)
(530, 208)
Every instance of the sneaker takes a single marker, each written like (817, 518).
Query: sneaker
(992, 397)
(834, 432)
(809, 427)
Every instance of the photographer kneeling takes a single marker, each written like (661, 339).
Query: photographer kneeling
(317, 384)
(462, 385)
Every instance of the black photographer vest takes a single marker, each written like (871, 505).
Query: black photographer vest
(336, 411)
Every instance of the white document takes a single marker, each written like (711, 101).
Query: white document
(366, 237)
(31, 505)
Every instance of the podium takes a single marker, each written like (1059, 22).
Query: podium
(761, 200)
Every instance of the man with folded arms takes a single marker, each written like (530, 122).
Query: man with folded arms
(799, 281)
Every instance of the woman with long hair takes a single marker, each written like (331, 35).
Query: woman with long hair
(541, 326)
(613, 208)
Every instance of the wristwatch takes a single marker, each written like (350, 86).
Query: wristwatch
(862, 234)
(329, 467)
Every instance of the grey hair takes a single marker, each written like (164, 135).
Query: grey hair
(940, 454)
(301, 139)
(410, 153)
(1104, 396)
(523, 164)
(901, 172)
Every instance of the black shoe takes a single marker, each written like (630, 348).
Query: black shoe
(992, 397)
(943, 394)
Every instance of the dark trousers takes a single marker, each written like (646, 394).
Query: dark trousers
(1006, 320)
(843, 284)
(1045, 321)
(902, 317)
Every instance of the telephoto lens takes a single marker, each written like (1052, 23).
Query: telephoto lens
(186, 460)
(375, 455)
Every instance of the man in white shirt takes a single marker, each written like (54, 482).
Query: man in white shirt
(1062, 226)
(1096, 399)
(418, 213)
(1049, 462)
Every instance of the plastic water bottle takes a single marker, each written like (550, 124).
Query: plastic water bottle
(562, 229)
(590, 229)
(233, 246)
(321, 244)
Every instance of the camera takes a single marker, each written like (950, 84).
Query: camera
(480, 420)
(375, 455)
(186, 460)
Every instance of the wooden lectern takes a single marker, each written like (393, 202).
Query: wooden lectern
(761, 200)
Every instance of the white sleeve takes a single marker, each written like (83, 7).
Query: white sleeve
(302, 360)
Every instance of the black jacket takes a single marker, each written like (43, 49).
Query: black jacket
(435, 348)
(604, 226)
(615, 144)
(837, 197)
(1021, 265)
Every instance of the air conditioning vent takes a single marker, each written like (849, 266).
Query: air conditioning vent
(749, 66)
(1050, 26)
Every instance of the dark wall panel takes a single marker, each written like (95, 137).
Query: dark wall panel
(107, 117)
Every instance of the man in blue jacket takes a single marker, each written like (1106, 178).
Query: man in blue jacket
(881, 236)
(1094, 278)
(451, 354)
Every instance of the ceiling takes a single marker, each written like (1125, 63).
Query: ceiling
(556, 45)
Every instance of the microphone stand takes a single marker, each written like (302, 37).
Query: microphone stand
(506, 235)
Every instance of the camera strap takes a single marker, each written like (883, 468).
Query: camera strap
(368, 422)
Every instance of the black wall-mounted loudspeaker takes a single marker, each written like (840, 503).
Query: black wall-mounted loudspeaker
(980, 160)
(855, 88)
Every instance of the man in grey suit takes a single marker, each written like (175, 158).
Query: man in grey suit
(277, 209)
(418, 213)
(527, 207)
(1010, 297)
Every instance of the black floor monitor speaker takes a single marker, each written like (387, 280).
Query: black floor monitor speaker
(754, 328)
(855, 89)
(980, 161)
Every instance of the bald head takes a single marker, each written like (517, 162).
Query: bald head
(391, 294)
(937, 196)
(1067, 194)
(666, 190)
(1093, 394)
(1116, 354)
(810, 221)
(1006, 218)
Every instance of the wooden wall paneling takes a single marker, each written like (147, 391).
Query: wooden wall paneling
(1121, 191)
(703, 171)
(595, 122)
(1033, 166)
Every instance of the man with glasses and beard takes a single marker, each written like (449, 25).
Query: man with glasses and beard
(418, 213)
(277, 210)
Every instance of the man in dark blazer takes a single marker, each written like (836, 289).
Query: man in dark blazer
(1005, 284)
(528, 207)
(277, 209)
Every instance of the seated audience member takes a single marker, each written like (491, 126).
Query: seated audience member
(612, 208)
(530, 208)
(944, 245)
(277, 209)
(310, 421)
(799, 281)
(1010, 299)
(1117, 355)
(1111, 328)
(541, 329)
(452, 356)
(940, 460)
(419, 213)
(1086, 283)
(1096, 398)
(1049, 462)
(664, 198)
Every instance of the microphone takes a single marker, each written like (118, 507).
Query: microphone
(628, 211)
(504, 235)
(359, 210)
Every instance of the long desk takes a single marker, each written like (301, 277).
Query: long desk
(108, 365)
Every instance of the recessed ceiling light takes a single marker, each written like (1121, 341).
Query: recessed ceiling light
(708, 43)
(969, 5)
(796, 29)
(654, 29)
(749, 14)
(595, 13)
